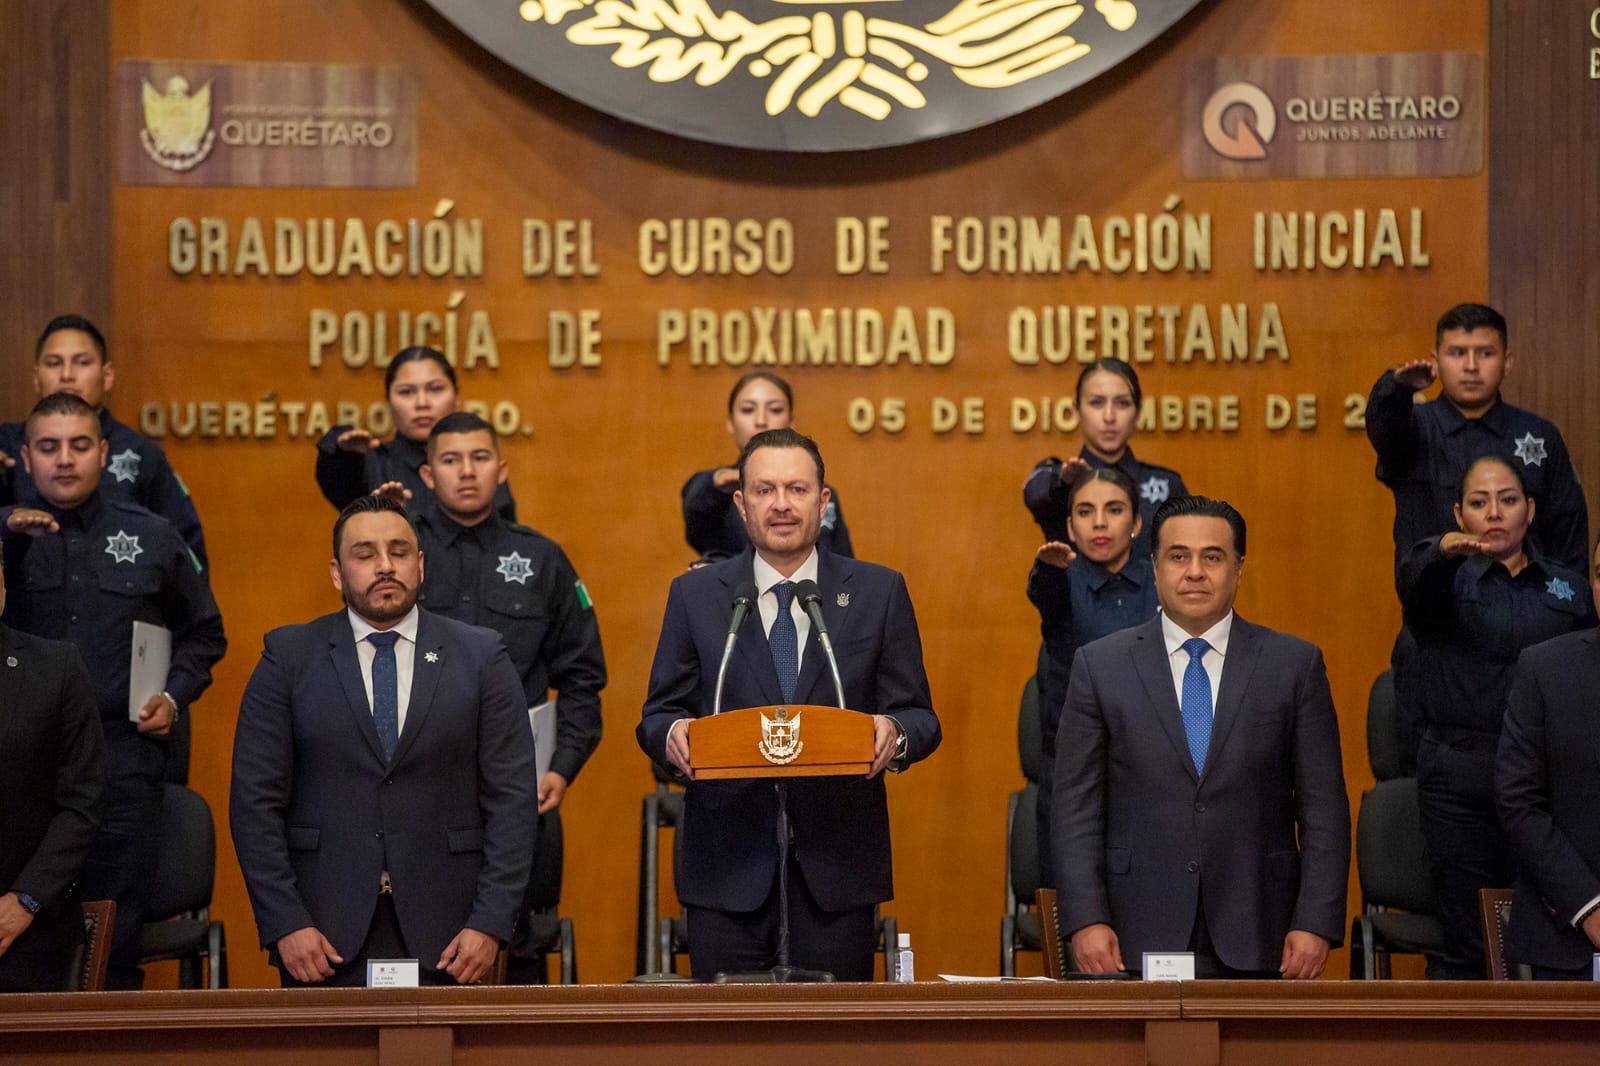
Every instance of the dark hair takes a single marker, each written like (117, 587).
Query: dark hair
(368, 504)
(1110, 366)
(1490, 457)
(415, 354)
(65, 322)
(461, 422)
(780, 438)
(60, 403)
(760, 375)
(1204, 506)
(1470, 317)
(1111, 476)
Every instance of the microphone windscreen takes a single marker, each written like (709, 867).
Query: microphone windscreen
(807, 592)
(745, 594)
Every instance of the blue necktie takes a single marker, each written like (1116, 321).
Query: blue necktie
(785, 643)
(1196, 704)
(385, 691)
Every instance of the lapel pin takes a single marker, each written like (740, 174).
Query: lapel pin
(843, 599)
(432, 656)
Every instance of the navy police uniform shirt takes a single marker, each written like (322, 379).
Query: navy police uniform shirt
(1045, 495)
(1472, 619)
(342, 475)
(712, 525)
(111, 564)
(1078, 604)
(1424, 451)
(136, 471)
(519, 583)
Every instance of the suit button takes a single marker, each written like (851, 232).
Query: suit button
(1200, 808)
(379, 836)
(388, 781)
(1194, 867)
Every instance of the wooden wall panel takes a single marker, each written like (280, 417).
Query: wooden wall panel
(55, 178)
(610, 447)
(1544, 216)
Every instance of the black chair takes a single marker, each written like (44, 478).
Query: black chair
(1030, 733)
(1398, 910)
(1020, 928)
(177, 918)
(1384, 751)
(542, 930)
(662, 810)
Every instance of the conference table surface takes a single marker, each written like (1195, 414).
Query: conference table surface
(1199, 1023)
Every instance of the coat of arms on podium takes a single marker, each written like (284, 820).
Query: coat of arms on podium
(780, 737)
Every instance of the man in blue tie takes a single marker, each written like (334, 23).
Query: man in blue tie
(384, 798)
(1200, 802)
(838, 866)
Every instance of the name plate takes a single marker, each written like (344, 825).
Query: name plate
(392, 973)
(1169, 966)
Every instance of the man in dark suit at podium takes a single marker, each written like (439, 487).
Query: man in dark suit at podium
(839, 853)
(1546, 776)
(1225, 833)
(384, 801)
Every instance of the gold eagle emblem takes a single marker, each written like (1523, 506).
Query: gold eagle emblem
(177, 130)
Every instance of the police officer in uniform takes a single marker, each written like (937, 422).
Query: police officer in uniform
(88, 567)
(420, 385)
(1475, 598)
(481, 568)
(1108, 400)
(760, 401)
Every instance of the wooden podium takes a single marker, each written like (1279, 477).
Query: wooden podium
(795, 740)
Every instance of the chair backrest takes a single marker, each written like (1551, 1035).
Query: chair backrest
(1494, 910)
(99, 918)
(1050, 935)
(1030, 732)
(187, 862)
(1391, 854)
(1022, 846)
(1383, 737)
(544, 883)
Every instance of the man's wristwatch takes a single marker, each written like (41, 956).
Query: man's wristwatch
(902, 744)
(29, 904)
(168, 697)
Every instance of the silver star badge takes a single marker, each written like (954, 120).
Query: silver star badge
(124, 466)
(432, 656)
(1155, 489)
(123, 548)
(1530, 450)
(1559, 589)
(514, 567)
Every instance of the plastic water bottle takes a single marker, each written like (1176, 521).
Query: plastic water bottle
(904, 962)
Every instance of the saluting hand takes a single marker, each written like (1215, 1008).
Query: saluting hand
(1415, 375)
(360, 441)
(32, 521)
(6, 462)
(395, 491)
(1461, 544)
(1054, 553)
(725, 479)
(1072, 468)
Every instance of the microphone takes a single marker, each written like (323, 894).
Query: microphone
(810, 598)
(744, 599)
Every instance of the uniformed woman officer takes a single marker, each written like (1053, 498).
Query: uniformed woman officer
(1084, 593)
(760, 401)
(1108, 399)
(1474, 599)
(421, 388)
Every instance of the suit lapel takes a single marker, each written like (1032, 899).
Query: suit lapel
(342, 653)
(1151, 663)
(1244, 651)
(424, 680)
(816, 678)
(13, 668)
(752, 655)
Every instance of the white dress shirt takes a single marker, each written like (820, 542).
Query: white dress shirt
(767, 580)
(405, 655)
(1212, 660)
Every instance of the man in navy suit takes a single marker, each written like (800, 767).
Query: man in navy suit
(1545, 781)
(1225, 833)
(839, 867)
(384, 798)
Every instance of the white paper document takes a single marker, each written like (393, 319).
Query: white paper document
(542, 719)
(147, 670)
